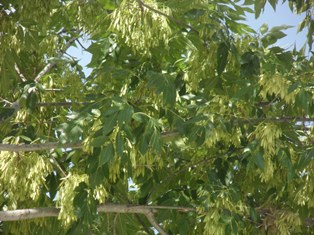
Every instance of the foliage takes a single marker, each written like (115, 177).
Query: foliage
(185, 106)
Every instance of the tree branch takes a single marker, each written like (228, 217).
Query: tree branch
(277, 119)
(54, 145)
(25, 214)
(151, 219)
(18, 71)
(38, 147)
(53, 89)
(78, 41)
(50, 65)
(62, 104)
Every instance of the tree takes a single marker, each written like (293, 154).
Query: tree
(189, 123)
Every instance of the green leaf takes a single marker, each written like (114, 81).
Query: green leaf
(110, 111)
(273, 3)
(156, 141)
(99, 140)
(106, 155)
(144, 144)
(305, 158)
(109, 123)
(253, 214)
(250, 64)
(139, 117)
(125, 115)
(79, 199)
(258, 7)
(26, 138)
(32, 100)
(258, 159)
(75, 133)
(279, 28)
(234, 226)
(272, 38)
(222, 57)
(303, 100)
(119, 144)
(6, 113)
(228, 229)
(163, 84)
(264, 28)
(274, 34)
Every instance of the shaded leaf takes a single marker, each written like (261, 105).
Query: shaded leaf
(106, 155)
(222, 57)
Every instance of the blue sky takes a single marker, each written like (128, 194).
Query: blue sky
(282, 16)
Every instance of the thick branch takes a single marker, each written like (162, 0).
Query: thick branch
(38, 147)
(50, 65)
(24, 214)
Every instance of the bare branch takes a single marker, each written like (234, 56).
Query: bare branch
(53, 89)
(6, 101)
(24, 214)
(58, 166)
(38, 147)
(151, 219)
(62, 104)
(277, 119)
(50, 65)
(18, 71)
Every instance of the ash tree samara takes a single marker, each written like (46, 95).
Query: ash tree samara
(190, 122)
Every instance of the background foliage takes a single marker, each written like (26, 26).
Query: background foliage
(185, 102)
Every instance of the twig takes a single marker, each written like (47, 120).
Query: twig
(63, 104)
(50, 65)
(59, 167)
(115, 224)
(78, 41)
(6, 101)
(53, 89)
